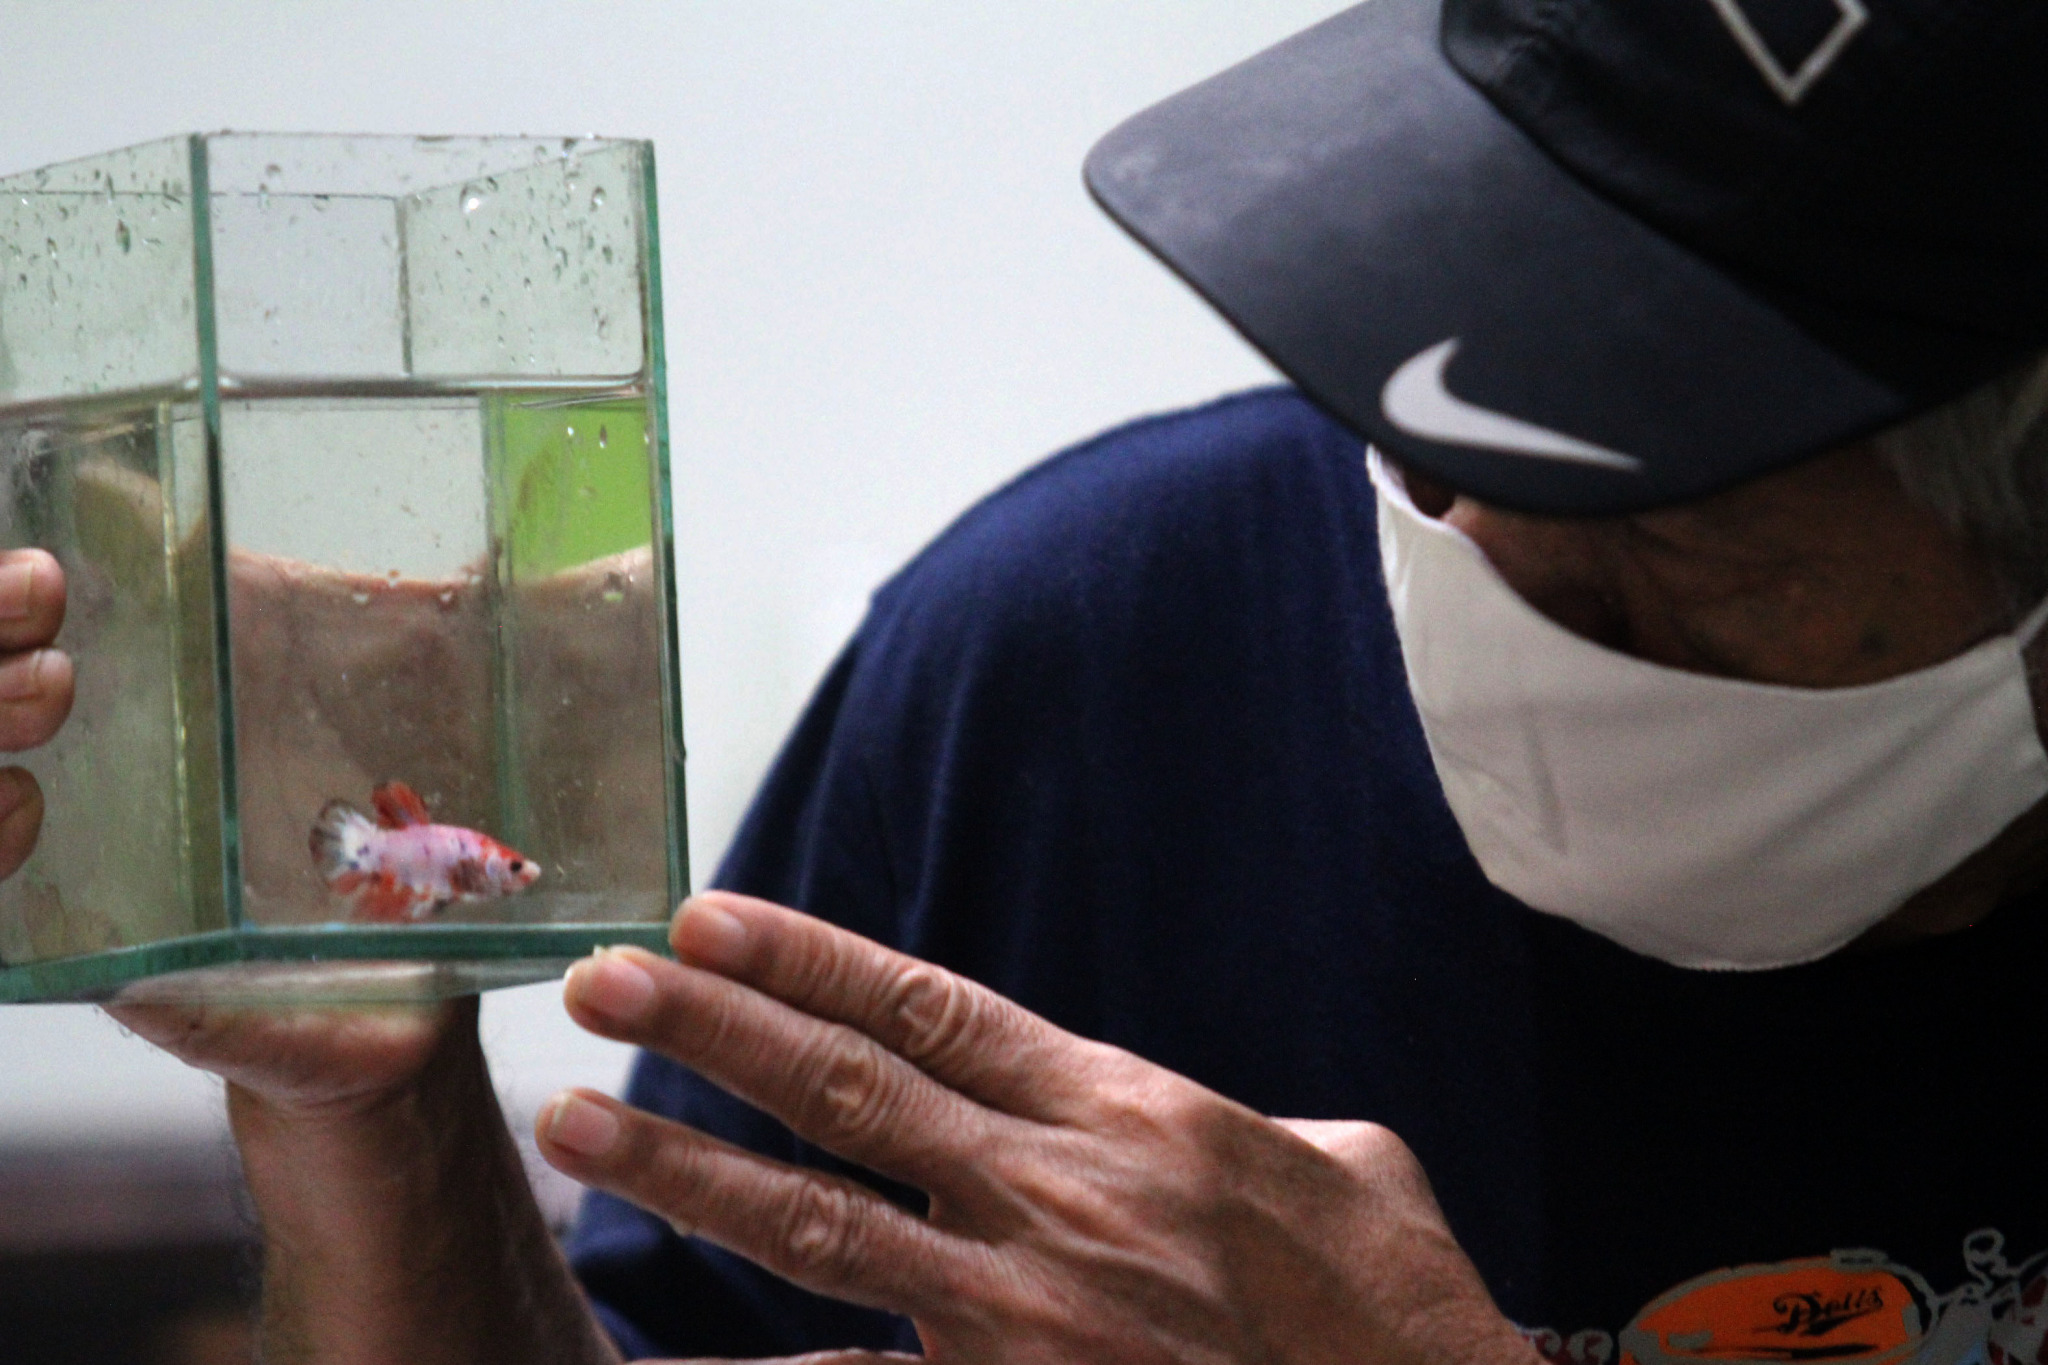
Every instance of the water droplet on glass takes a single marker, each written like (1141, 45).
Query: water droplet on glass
(604, 437)
(447, 597)
(472, 199)
(122, 238)
(607, 255)
(561, 259)
(613, 595)
(572, 433)
(263, 196)
(50, 247)
(273, 169)
(361, 599)
(597, 198)
(604, 327)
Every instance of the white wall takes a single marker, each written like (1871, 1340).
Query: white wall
(886, 292)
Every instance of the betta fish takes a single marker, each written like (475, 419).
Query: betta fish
(402, 866)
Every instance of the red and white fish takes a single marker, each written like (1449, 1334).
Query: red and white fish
(402, 866)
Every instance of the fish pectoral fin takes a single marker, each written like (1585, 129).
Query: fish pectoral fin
(469, 878)
(399, 806)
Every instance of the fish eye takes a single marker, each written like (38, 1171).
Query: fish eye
(519, 865)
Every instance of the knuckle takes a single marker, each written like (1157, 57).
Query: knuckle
(820, 1235)
(932, 1011)
(809, 973)
(844, 1094)
(675, 1174)
(1386, 1149)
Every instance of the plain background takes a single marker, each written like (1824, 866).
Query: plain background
(887, 292)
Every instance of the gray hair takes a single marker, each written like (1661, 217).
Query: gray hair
(1980, 462)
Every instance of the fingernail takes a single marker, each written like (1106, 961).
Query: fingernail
(613, 985)
(25, 677)
(17, 581)
(584, 1128)
(709, 934)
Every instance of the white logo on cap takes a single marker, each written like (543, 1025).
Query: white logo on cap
(1791, 85)
(1416, 401)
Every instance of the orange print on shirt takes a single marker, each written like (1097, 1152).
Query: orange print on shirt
(1831, 1309)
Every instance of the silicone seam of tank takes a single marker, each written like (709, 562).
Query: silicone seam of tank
(217, 543)
(664, 566)
(101, 975)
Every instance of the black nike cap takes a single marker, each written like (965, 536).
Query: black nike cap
(1600, 255)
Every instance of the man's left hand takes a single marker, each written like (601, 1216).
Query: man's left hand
(1086, 1205)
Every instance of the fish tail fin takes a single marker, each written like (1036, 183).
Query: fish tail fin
(339, 840)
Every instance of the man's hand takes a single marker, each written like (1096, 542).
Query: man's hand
(1085, 1205)
(397, 1222)
(35, 689)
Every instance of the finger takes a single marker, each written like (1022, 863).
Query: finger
(31, 598)
(818, 1231)
(21, 818)
(962, 1034)
(831, 1085)
(35, 697)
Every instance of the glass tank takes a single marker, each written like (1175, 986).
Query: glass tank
(353, 451)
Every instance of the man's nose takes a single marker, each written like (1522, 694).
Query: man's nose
(1558, 565)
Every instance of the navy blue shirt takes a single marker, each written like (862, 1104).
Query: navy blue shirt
(1131, 743)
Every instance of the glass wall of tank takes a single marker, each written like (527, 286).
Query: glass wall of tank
(352, 449)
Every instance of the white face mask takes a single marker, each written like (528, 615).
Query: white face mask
(1704, 821)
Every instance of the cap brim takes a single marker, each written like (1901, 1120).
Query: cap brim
(1429, 275)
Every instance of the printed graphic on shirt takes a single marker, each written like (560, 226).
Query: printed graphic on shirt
(1845, 1308)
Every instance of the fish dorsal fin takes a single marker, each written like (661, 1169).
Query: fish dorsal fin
(398, 806)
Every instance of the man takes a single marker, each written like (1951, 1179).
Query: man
(1630, 796)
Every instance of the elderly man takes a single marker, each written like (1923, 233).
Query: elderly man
(1608, 820)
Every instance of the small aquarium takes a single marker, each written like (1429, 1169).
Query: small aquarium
(353, 452)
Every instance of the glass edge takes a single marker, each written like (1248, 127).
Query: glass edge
(217, 533)
(664, 530)
(174, 138)
(98, 975)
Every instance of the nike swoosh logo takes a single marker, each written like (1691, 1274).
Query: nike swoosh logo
(1416, 401)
